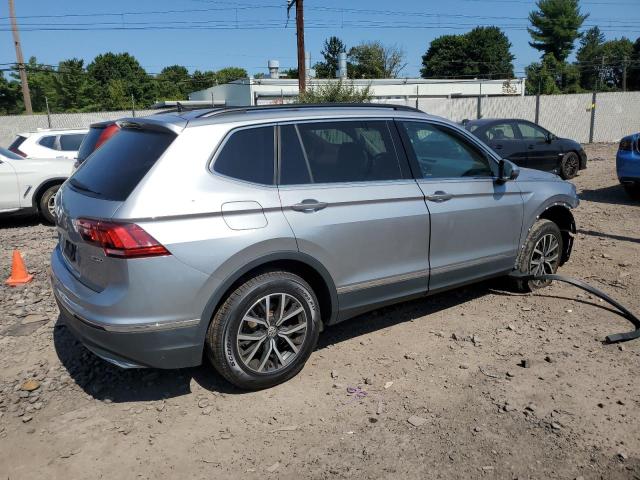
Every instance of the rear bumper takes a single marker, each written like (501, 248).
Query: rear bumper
(165, 344)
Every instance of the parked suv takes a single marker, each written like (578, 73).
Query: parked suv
(48, 143)
(239, 234)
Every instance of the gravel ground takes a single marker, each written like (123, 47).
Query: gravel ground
(446, 393)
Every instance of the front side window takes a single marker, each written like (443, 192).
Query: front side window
(333, 152)
(248, 155)
(440, 153)
(70, 143)
(502, 131)
(48, 141)
(531, 132)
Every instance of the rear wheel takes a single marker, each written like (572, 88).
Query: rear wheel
(541, 254)
(265, 331)
(46, 205)
(570, 165)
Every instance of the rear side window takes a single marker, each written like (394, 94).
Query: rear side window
(248, 155)
(332, 152)
(501, 131)
(49, 141)
(117, 167)
(71, 142)
(17, 142)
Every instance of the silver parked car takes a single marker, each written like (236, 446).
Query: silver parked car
(238, 234)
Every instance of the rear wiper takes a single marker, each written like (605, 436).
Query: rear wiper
(83, 187)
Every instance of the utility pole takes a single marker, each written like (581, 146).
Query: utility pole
(23, 73)
(624, 74)
(302, 72)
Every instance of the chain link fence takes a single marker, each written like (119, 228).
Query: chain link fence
(608, 118)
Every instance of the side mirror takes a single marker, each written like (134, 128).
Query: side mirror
(550, 137)
(507, 171)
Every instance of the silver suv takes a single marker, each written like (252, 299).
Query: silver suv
(241, 233)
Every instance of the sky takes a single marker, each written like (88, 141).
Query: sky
(212, 34)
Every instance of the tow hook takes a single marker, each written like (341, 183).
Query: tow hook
(621, 310)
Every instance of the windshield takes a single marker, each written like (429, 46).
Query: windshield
(8, 154)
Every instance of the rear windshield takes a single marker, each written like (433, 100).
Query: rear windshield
(117, 167)
(17, 142)
(88, 143)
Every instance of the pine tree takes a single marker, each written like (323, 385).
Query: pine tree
(555, 27)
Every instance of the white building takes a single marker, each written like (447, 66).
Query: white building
(407, 91)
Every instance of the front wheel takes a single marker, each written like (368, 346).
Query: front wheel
(265, 331)
(541, 254)
(569, 165)
(46, 206)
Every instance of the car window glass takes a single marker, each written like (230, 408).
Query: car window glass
(295, 168)
(442, 154)
(502, 131)
(71, 142)
(248, 155)
(48, 141)
(351, 151)
(531, 132)
(9, 154)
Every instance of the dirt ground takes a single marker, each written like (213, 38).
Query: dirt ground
(446, 395)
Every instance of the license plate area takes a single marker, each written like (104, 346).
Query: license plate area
(69, 250)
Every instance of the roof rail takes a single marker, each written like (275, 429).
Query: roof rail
(304, 106)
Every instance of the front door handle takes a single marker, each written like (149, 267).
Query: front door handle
(439, 196)
(498, 147)
(308, 206)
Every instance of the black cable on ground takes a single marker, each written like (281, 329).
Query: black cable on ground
(622, 310)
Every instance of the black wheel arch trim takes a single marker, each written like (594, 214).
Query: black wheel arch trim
(217, 296)
(568, 231)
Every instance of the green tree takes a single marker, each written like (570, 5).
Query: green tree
(551, 76)
(333, 46)
(41, 84)
(173, 83)
(71, 86)
(482, 52)
(229, 74)
(555, 27)
(115, 76)
(615, 53)
(588, 56)
(633, 74)
(10, 96)
(335, 92)
(375, 60)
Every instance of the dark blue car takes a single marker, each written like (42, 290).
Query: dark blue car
(628, 164)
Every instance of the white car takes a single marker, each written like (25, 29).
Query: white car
(30, 184)
(49, 143)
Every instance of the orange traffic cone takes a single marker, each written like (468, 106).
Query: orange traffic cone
(19, 274)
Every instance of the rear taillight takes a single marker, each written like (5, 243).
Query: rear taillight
(17, 151)
(120, 240)
(626, 144)
(106, 134)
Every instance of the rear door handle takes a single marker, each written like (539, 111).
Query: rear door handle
(309, 205)
(439, 196)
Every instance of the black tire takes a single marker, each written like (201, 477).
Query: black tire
(539, 230)
(45, 202)
(633, 190)
(222, 345)
(570, 165)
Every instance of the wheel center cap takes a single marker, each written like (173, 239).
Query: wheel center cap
(272, 331)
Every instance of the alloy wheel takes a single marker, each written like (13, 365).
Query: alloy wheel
(271, 333)
(545, 257)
